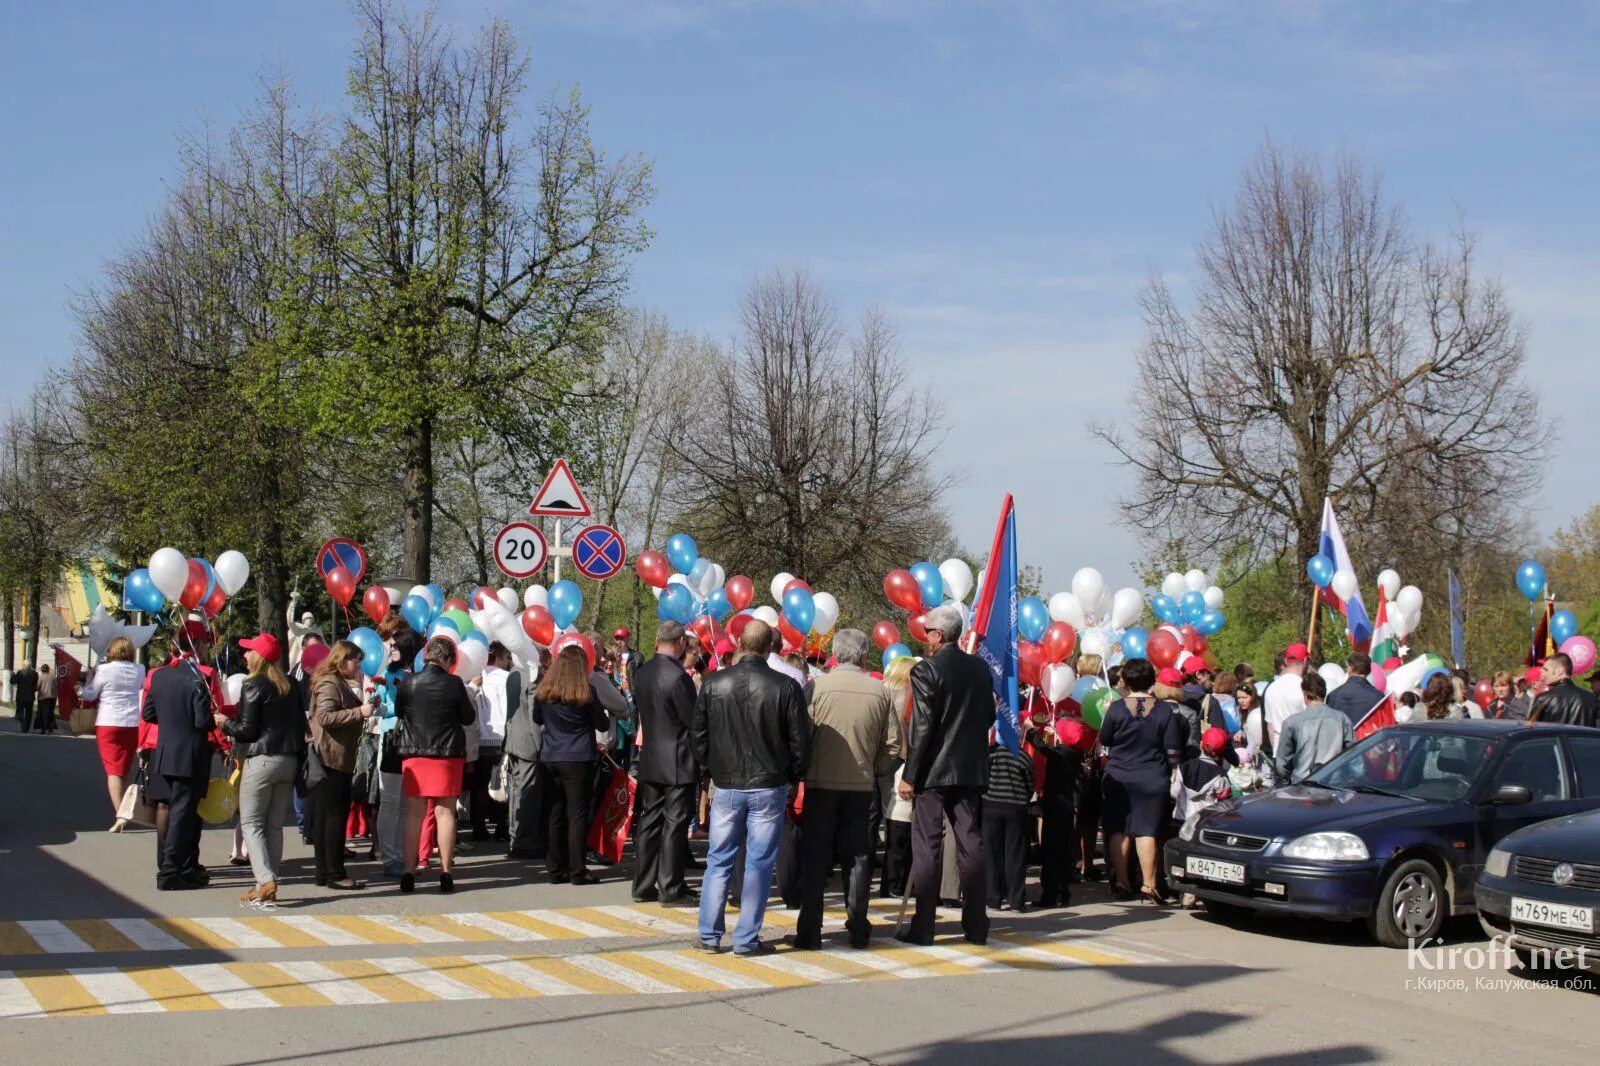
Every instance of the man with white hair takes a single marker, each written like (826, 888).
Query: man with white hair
(947, 770)
(855, 736)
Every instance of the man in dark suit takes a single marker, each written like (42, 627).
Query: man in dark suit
(1357, 697)
(946, 771)
(179, 702)
(24, 687)
(665, 696)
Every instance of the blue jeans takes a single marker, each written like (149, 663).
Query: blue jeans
(751, 819)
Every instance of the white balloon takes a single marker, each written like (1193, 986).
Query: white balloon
(679, 579)
(539, 596)
(711, 580)
(778, 584)
(1126, 607)
(1094, 642)
(1195, 581)
(509, 599)
(656, 592)
(1389, 582)
(1065, 607)
(1057, 679)
(1102, 606)
(767, 614)
(234, 686)
(1344, 585)
(957, 577)
(1087, 584)
(232, 570)
(471, 657)
(1333, 674)
(1173, 586)
(1409, 600)
(1214, 598)
(826, 606)
(422, 590)
(169, 572)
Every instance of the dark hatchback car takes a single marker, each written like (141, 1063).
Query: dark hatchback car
(1540, 887)
(1395, 829)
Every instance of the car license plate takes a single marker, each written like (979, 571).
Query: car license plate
(1230, 873)
(1554, 915)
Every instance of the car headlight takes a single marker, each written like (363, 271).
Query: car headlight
(1499, 864)
(1327, 847)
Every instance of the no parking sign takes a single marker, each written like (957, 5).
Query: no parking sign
(598, 552)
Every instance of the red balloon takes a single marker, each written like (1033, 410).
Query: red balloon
(903, 591)
(917, 625)
(740, 590)
(1188, 635)
(194, 590)
(1057, 643)
(375, 601)
(705, 627)
(455, 603)
(341, 584)
(1163, 649)
(1483, 693)
(737, 623)
(795, 584)
(652, 568)
(1201, 644)
(482, 595)
(793, 639)
(1070, 731)
(885, 634)
(215, 602)
(574, 640)
(540, 627)
(1391, 664)
(1029, 660)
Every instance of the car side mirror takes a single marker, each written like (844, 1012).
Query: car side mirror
(1511, 796)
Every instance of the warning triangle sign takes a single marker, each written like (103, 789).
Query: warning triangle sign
(559, 496)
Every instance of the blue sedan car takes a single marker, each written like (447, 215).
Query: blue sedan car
(1395, 830)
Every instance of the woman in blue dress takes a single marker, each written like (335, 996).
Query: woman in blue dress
(1142, 737)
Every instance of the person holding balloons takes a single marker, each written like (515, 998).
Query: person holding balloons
(1143, 739)
(434, 710)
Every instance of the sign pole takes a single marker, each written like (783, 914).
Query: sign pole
(556, 553)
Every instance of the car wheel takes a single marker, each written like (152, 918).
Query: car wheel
(1412, 906)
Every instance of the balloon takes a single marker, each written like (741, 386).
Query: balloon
(1163, 648)
(1032, 618)
(1126, 607)
(652, 568)
(1085, 685)
(540, 627)
(139, 593)
(737, 623)
(893, 652)
(1409, 600)
(885, 634)
(213, 604)
(1094, 642)
(1530, 580)
(460, 619)
(456, 603)
(233, 687)
(1056, 680)
(1193, 605)
(375, 602)
(1389, 583)
(1087, 584)
(443, 627)
(1095, 704)
(717, 605)
(793, 639)
(1483, 693)
(1030, 660)
(826, 606)
(917, 626)
(578, 640)
(374, 657)
(233, 570)
(341, 584)
(1344, 585)
(416, 611)
(169, 572)
(705, 628)
(799, 609)
(741, 591)
(779, 583)
(508, 599)
(767, 615)
(1065, 607)
(903, 591)
(536, 596)
(1196, 580)
(1210, 623)
(676, 604)
(566, 600)
(471, 657)
(681, 552)
(1187, 635)
(1319, 568)
(930, 582)
(1378, 677)
(1582, 653)
(1563, 624)
(1057, 643)
(1134, 640)
(435, 596)
(1173, 586)
(195, 586)
(957, 577)
(1333, 674)
(794, 583)
(1165, 608)
(698, 573)
(1214, 598)
(1069, 731)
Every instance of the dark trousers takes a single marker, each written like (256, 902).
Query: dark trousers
(180, 851)
(330, 809)
(661, 839)
(1055, 853)
(835, 827)
(44, 719)
(964, 809)
(1005, 834)
(896, 858)
(568, 793)
(483, 806)
(25, 713)
(525, 798)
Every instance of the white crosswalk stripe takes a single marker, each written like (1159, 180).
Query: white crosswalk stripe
(116, 991)
(342, 990)
(54, 937)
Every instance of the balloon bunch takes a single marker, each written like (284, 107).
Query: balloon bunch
(1402, 610)
(1190, 599)
(190, 583)
(917, 590)
(1533, 584)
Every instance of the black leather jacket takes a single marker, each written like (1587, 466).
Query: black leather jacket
(432, 707)
(1565, 704)
(751, 729)
(952, 712)
(267, 723)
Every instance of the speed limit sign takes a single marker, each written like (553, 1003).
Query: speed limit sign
(520, 550)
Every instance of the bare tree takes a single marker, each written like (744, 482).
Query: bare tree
(1327, 354)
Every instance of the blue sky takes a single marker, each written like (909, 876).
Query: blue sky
(1000, 176)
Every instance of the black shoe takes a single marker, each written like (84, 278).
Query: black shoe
(408, 882)
(1003, 905)
(688, 899)
(860, 943)
(760, 947)
(803, 943)
(906, 936)
(594, 858)
(560, 879)
(709, 949)
(978, 940)
(321, 880)
(178, 884)
(584, 879)
(519, 853)
(649, 897)
(239, 862)
(1021, 908)
(692, 863)
(447, 884)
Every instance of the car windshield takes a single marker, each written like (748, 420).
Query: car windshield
(1418, 764)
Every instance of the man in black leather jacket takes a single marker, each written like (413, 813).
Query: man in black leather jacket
(665, 697)
(947, 769)
(1563, 703)
(752, 732)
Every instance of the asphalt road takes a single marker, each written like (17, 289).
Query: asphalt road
(508, 966)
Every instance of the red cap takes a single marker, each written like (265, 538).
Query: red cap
(1069, 731)
(1296, 653)
(1171, 677)
(312, 656)
(1533, 676)
(1214, 741)
(621, 634)
(263, 644)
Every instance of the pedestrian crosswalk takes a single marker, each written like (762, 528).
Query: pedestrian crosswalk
(639, 949)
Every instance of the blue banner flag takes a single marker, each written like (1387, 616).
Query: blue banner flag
(994, 627)
(1458, 639)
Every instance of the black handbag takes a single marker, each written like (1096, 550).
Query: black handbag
(312, 772)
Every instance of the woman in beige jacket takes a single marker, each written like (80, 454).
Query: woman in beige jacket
(337, 715)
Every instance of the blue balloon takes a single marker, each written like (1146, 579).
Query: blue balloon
(682, 553)
(1194, 605)
(1437, 671)
(417, 612)
(1530, 580)
(374, 657)
(930, 582)
(1210, 623)
(475, 635)
(676, 605)
(417, 664)
(442, 627)
(893, 652)
(211, 578)
(1319, 568)
(565, 601)
(1134, 642)
(1165, 608)
(800, 610)
(698, 571)
(139, 593)
(717, 605)
(437, 604)
(1563, 624)
(1086, 685)
(1033, 618)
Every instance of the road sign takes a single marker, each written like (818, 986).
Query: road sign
(559, 496)
(342, 550)
(599, 553)
(520, 550)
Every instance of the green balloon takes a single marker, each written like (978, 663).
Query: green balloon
(1095, 704)
(460, 619)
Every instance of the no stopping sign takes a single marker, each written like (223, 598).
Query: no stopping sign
(520, 550)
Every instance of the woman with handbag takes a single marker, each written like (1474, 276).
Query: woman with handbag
(433, 710)
(337, 716)
(1143, 737)
(269, 735)
(116, 683)
(569, 710)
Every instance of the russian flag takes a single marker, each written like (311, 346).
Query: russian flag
(994, 627)
(1356, 619)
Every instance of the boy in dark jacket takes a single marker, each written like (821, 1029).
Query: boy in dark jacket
(1005, 825)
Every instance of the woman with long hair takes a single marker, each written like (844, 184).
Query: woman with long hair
(1438, 698)
(337, 716)
(433, 710)
(269, 736)
(568, 708)
(1143, 738)
(116, 683)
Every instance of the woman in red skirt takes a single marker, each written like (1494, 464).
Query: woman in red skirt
(116, 683)
(433, 709)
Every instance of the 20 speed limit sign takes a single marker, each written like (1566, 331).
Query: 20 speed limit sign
(520, 550)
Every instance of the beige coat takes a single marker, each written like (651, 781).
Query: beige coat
(855, 734)
(336, 721)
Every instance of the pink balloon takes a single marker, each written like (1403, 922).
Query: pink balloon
(1581, 651)
(1379, 678)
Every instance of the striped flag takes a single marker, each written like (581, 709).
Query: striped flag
(1384, 644)
(1356, 619)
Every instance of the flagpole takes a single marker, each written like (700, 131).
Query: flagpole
(1311, 635)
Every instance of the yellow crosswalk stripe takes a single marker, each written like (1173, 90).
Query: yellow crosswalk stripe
(274, 983)
(59, 993)
(13, 941)
(100, 935)
(173, 991)
(379, 981)
(368, 930)
(476, 975)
